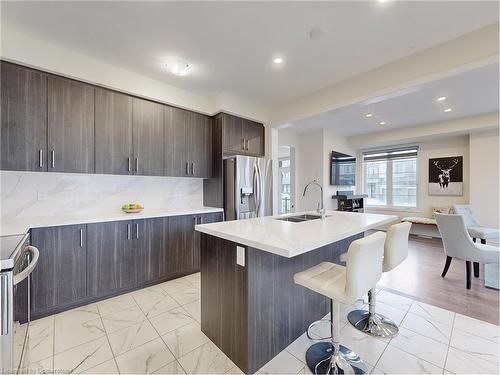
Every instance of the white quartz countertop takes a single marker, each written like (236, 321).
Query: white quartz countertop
(290, 239)
(21, 226)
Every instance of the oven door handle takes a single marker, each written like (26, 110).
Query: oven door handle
(35, 254)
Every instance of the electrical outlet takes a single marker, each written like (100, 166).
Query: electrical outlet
(41, 195)
(240, 256)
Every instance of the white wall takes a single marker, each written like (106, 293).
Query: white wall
(309, 162)
(484, 176)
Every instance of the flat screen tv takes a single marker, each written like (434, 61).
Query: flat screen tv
(342, 169)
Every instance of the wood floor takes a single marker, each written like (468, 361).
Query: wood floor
(419, 276)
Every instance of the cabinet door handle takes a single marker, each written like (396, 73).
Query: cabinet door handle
(195, 220)
(248, 145)
(81, 237)
(243, 143)
(40, 158)
(128, 163)
(137, 231)
(128, 231)
(192, 168)
(201, 219)
(53, 158)
(187, 168)
(136, 165)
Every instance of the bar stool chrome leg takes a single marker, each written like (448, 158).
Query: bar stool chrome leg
(372, 323)
(314, 324)
(331, 357)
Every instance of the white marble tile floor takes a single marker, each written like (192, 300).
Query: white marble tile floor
(157, 330)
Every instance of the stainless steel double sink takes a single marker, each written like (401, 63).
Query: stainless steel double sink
(299, 218)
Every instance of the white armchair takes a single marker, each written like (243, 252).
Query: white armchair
(474, 227)
(458, 244)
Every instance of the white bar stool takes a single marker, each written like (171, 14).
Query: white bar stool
(395, 252)
(346, 285)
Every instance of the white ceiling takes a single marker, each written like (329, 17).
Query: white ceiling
(231, 45)
(469, 93)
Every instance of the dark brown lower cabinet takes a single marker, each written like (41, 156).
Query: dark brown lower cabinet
(111, 259)
(149, 244)
(183, 245)
(60, 276)
(82, 263)
(210, 218)
(203, 219)
(183, 257)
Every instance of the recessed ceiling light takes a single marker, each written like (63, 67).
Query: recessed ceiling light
(382, 123)
(382, 1)
(178, 67)
(278, 60)
(441, 98)
(369, 115)
(447, 110)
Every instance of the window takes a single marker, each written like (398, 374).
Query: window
(376, 182)
(284, 176)
(390, 177)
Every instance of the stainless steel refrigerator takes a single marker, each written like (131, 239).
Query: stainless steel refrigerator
(247, 187)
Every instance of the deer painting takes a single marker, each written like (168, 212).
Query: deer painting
(444, 177)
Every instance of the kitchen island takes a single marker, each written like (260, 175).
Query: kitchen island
(250, 306)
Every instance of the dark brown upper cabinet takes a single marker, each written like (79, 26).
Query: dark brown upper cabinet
(254, 137)
(70, 126)
(148, 137)
(188, 144)
(232, 133)
(23, 144)
(51, 123)
(129, 135)
(113, 132)
(242, 136)
(176, 142)
(200, 146)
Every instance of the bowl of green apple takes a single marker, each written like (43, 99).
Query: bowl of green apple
(132, 208)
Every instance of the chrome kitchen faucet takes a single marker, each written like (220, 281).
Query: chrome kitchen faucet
(321, 206)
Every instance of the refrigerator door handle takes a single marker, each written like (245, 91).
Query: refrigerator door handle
(256, 186)
(4, 302)
(261, 191)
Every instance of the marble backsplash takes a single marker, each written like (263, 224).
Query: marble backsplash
(35, 194)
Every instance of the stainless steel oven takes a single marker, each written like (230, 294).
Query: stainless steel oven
(16, 264)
